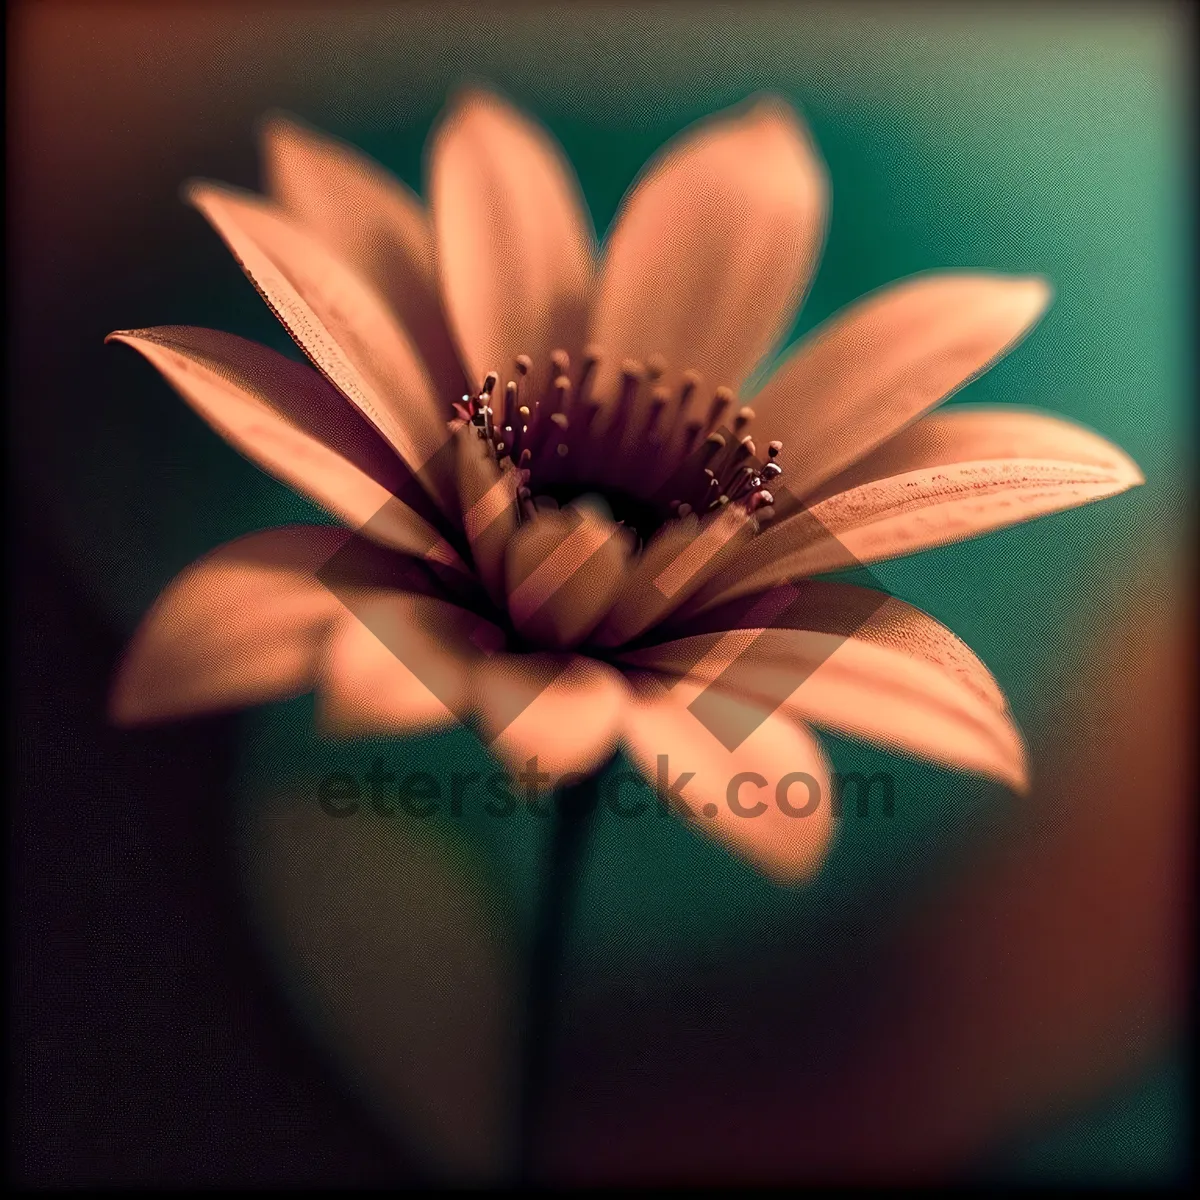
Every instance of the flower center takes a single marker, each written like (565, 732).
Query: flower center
(656, 453)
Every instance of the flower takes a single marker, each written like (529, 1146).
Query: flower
(569, 526)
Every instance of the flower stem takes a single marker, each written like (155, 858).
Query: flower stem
(572, 819)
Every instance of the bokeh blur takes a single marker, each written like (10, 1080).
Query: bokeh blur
(218, 983)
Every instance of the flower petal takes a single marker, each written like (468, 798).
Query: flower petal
(513, 242)
(981, 433)
(712, 250)
(675, 564)
(564, 568)
(487, 502)
(374, 223)
(715, 786)
(400, 662)
(245, 624)
(287, 418)
(886, 359)
(340, 322)
(563, 710)
(858, 662)
(961, 473)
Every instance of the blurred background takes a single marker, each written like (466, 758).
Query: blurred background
(216, 983)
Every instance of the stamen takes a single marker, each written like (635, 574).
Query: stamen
(713, 445)
(658, 404)
(722, 400)
(648, 451)
(620, 434)
(689, 382)
(591, 356)
(631, 376)
(691, 432)
(712, 465)
(747, 479)
(556, 398)
(742, 420)
(677, 443)
(583, 389)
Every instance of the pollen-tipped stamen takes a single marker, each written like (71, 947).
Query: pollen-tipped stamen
(642, 449)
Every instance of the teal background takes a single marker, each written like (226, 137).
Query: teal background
(1048, 141)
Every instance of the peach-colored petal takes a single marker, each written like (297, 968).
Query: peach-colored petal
(875, 366)
(981, 433)
(858, 662)
(952, 475)
(1040, 971)
(487, 500)
(712, 250)
(288, 419)
(735, 795)
(563, 570)
(513, 242)
(340, 322)
(400, 662)
(674, 565)
(373, 222)
(563, 709)
(245, 624)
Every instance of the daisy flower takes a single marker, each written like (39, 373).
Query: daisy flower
(573, 514)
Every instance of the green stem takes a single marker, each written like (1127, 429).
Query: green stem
(572, 819)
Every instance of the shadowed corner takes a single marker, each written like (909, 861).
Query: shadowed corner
(394, 949)
(1048, 971)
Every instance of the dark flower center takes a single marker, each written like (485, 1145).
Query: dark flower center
(654, 454)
